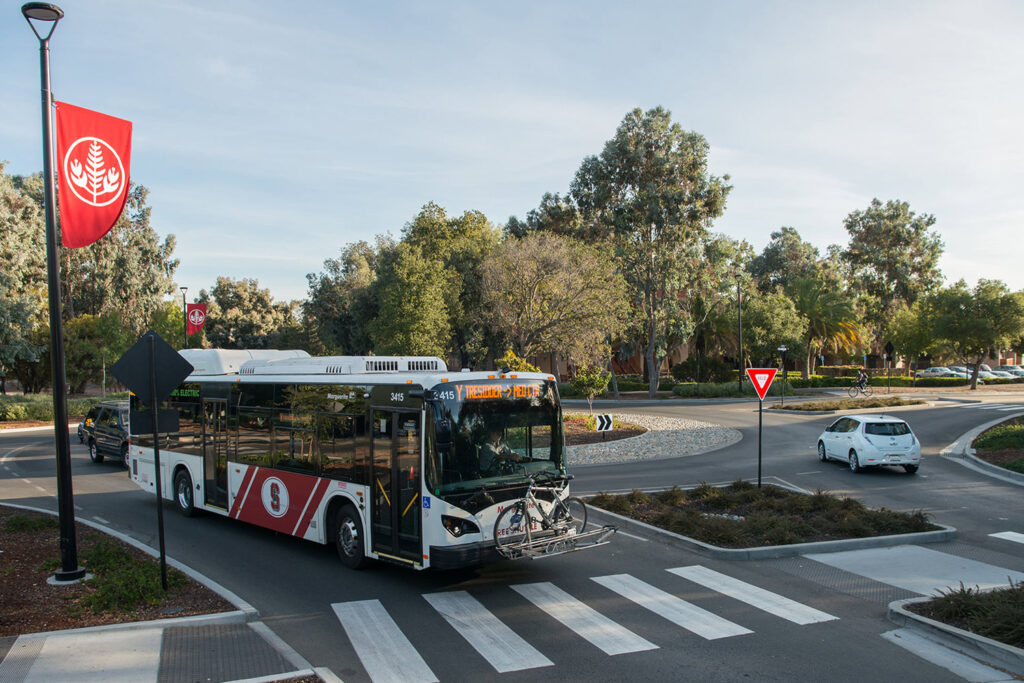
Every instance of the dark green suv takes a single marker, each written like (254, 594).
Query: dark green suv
(105, 430)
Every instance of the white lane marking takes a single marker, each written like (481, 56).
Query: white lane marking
(931, 651)
(678, 611)
(773, 603)
(386, 654)
(997, 406)
(585, 621)
(1006, 410)
(488, 635)
(100, 519)
(1009, 536)
(918, 569)
(811, 472)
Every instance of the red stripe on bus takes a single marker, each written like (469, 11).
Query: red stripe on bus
(243, 492)
(312, 505)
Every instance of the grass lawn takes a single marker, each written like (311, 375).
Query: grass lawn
(851, 404)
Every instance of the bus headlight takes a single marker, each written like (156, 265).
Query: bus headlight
(457, 526)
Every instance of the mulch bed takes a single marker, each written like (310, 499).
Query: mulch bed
(577, 434)
(31, 605)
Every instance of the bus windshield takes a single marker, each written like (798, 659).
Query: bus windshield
(490, 433)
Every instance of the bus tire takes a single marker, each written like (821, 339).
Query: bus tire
(348, 537)
(183, 494)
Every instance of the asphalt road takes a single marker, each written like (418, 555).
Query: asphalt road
(303, 593)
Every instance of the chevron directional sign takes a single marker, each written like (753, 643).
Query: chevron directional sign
(603, 422)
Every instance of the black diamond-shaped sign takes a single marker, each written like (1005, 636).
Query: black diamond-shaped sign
(133, 368)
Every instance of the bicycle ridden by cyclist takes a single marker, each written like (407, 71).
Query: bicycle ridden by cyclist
(862, 379)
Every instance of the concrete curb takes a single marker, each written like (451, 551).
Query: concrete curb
(244, 612)
(946, 533)
(960, 451)
(44, 428)
(971, 644)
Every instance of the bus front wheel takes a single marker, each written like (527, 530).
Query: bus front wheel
(348, 537)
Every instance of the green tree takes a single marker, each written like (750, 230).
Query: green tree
(590, 381)
(412, 317)
(976, 323)
(556, 214)
(830, 316)
(550, 293)
(459, 245)
(340, 300)
(911, 332)
(785, 258)
(650, 193)
(769, 321)
(892, 256)
(240, 315)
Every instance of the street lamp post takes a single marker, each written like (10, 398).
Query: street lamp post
(184, 318)
(782, 350)
(45, 12)
(739, 332)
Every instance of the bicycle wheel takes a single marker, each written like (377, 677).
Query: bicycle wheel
(853, 391)
(572, 513)
(512, 527)
(867, 390)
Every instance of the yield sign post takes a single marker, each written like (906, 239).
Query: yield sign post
(761, 378)
(137, 370)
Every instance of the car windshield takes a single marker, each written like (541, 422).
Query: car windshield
(886, 428)
(490, 433)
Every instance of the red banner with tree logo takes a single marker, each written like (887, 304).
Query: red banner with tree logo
(93, 159)
(195, 318)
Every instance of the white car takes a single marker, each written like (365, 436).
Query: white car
(1016, 373)
(1002, 374)
(870, 441)
(935, 371)
(1010, 368)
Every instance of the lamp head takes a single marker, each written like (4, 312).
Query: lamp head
(42, 11)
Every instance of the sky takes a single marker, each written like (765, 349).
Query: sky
(271, 134)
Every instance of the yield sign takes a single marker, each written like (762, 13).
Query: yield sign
(761, 378)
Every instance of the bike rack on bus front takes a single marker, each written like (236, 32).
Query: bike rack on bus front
(559, 544)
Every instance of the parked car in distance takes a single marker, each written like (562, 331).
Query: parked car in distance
(1009, 368)
(870, 441)
(1001, 374)
(936, 371)
(1019, 374)
(960, 371)
(108, 432)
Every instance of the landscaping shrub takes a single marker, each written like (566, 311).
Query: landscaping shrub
(1002, 436)
(711, 369)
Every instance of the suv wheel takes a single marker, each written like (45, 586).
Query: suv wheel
(94, 452)
(124, 456)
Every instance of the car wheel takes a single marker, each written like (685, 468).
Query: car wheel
(854, 461)
(348, 537)
(94, 452)
(183, 493)
(822, 456)
(124, 457)
(910, 469)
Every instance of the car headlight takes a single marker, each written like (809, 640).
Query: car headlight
(457, 526)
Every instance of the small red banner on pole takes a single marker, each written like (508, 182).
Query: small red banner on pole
(761, 378)
(93, 159)
(195, 317)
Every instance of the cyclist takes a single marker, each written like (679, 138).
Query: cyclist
(862, 379)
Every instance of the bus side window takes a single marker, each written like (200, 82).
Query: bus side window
(336, 436)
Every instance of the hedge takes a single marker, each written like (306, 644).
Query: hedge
(40, 407)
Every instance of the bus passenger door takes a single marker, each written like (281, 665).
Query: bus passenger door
(215, 452)
(395, 509)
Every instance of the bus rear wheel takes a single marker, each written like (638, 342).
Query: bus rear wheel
(183, 493)
(348, 537)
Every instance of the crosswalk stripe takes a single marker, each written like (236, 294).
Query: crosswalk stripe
(586, 622)
(488, 635)
(1006, 410)
(1010, 536)
(386, 654)
(773, 603)
(676, 610)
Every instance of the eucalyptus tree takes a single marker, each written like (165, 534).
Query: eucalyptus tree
(650, 194)
(550, 293)
(892, 256)
(786, 257)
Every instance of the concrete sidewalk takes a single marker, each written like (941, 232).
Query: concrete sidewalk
(229, 646)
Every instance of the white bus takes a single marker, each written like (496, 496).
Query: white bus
(378, 455)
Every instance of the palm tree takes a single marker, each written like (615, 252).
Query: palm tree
(831, 318)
